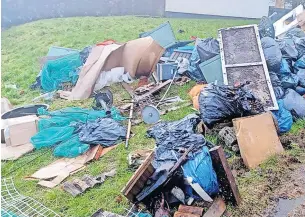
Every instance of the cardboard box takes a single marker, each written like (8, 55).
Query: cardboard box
(18, 131)
(257, 138)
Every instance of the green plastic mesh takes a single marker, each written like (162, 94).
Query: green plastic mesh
(71, 148)
(7, 214)
(57, 71)
(52, 136)
(66, 116)
(58, 129)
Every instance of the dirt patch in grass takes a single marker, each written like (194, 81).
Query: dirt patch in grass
(287, 195)
(262, 187)
(298, 138)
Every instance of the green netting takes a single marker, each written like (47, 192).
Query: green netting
(59, 129)
(66, 116)
(7, 214)
(71, 148)
(57, 71)
(52, 136)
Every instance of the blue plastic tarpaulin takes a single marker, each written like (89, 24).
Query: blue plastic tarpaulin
(201, 170)
(283, 117)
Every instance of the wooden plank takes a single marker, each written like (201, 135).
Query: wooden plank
(150, 169)
(139, 171)
(191, 209)
(128, 89)
(182, 214)
(152, 91)
(136, 176)
(217, 209)
(224, 175)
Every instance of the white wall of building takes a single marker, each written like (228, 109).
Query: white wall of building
(232, 8)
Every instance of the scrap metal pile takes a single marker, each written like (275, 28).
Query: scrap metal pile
(251, 78)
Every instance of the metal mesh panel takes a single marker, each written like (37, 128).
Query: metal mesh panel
(14, 204)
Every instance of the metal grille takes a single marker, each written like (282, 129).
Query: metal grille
(14, 204)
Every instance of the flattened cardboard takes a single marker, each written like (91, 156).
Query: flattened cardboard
(15, 152)
(62, 168)
(139, 58)
(65, 165)
(56, 181)
(257, 138)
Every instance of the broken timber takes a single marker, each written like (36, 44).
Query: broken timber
(139, 178)
(164, 180)
(182, 214)
(152, 91)
(191, 209)
(217, 209)
(224, 175)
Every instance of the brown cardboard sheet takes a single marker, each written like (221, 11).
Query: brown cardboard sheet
(53, 174)
(15, 152)
(138, 57)
(65, 165)
(257, 138)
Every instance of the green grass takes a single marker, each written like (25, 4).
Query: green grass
(21, 48)
(23, 45)
(297, 126)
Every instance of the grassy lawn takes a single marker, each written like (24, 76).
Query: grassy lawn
(21, 48)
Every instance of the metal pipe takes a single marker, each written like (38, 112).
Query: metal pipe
(129, 125)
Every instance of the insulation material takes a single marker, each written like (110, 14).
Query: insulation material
(257, 138)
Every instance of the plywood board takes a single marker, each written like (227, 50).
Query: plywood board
(257, 138)
(243, 61)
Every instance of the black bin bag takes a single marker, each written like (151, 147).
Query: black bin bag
(220, 102)
(207, 49)
(272, 53)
